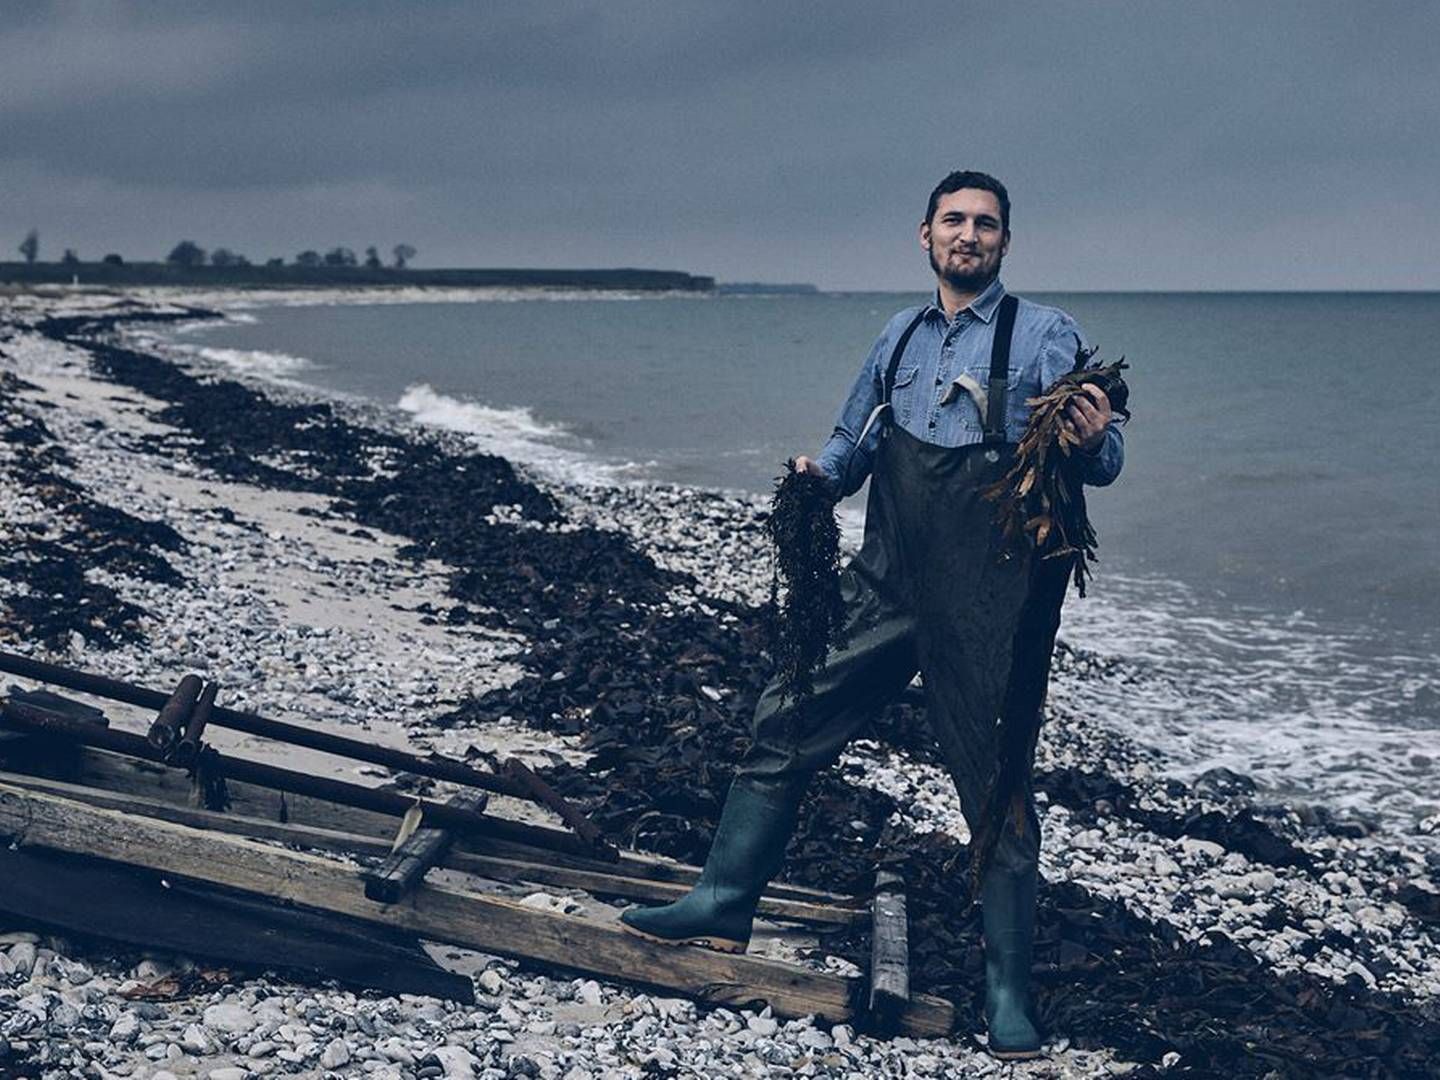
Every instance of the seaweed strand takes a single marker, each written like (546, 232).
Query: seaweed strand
(807, 617)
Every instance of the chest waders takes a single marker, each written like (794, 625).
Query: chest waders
(932, 590)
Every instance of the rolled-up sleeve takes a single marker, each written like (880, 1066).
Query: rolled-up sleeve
(1102, 465)
(846, 463)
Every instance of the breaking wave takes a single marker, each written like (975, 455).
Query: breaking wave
(270, 365)
(1311, 712)
(517, 434)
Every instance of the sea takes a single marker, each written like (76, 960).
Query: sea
(1269, 577)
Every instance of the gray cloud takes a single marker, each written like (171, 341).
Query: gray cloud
(1154, 145)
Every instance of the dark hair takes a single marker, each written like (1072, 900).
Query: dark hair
(984, 181)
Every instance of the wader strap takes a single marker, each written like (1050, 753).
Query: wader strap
(897, 354)
(999, 369)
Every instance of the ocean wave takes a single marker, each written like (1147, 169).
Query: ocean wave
(270, 365)
(428, 406)
(517, 434)
(1310, 711)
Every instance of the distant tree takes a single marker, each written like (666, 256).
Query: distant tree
(340, 256)
(70, 258)
(372, 258)
(113, 260)
(30, 246)
(186, 253)
(277, 261)
(308, 258)
(226, 257)
(403, 254)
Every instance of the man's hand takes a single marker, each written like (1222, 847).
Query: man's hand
(808, 465)
(1087, 419)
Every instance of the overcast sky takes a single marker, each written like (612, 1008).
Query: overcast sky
(1145, 145)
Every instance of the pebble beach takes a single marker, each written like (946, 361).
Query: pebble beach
(329, 562)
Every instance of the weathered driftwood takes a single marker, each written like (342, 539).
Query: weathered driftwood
(889, 952)
(440, 768)
(439, 912)
(101, 769)
(405, 866)
(607, 881)
(44, 722)
(92, 896)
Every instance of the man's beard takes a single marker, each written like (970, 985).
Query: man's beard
(965, 281)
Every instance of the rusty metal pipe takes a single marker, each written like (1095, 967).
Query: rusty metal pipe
(167, 727)
(188, 748)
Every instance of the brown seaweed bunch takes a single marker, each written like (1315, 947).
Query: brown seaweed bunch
(1040, 497)
(811, 619)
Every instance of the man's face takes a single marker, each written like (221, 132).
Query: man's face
(965, 240)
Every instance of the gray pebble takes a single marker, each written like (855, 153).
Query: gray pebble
(22, 955)
(337, 1053)
(230, 1018)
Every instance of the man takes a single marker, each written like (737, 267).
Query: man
(933, 419)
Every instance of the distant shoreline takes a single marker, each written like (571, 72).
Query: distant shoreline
(153, 273)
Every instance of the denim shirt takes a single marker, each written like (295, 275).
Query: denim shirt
(1042, 349)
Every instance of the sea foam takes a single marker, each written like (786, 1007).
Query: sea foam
(1308, 710)
(516, 433)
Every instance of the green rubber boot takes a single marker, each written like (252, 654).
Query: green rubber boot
(1007, 900)
(749, 845)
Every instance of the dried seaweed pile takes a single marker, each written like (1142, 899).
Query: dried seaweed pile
(811, 617)
(1041, 497)
(49, 597)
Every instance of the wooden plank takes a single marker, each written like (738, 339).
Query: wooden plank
(600, 882)
(116, 772)
(295, 781)
(637, 865)
(115, 901)
(438, 912)
(889, 953)
(405, 866)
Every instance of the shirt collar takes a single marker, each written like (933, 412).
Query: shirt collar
(982, 307)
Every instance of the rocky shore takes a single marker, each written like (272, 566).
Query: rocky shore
(329, 562)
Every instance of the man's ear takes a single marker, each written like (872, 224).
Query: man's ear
(1005, 244)
(925, 235)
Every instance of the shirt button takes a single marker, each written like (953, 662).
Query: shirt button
(939, 381)
(932, 423)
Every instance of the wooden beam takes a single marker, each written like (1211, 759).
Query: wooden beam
(405, 866)
(602, 882)
(439, 912)
(115, 772)
(889, 953)
(295, 781)
(115, 901)
(637, 865)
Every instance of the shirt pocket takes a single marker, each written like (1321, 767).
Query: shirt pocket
(902, 399)
(1015, 394)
